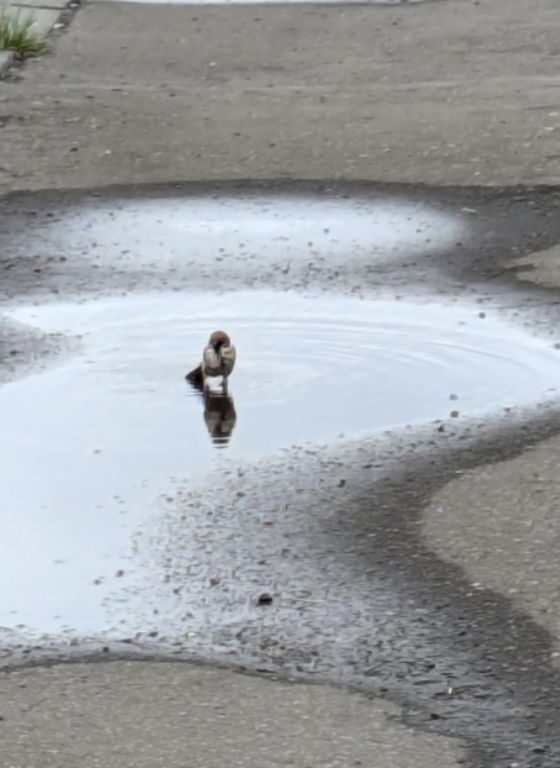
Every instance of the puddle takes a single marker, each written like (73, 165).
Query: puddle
(213, 235)
(93, 446)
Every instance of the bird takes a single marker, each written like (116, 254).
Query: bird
(218, 359)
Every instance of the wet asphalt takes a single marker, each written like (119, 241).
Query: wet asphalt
(322, 572)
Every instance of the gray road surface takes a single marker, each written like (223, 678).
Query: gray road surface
(446, 93)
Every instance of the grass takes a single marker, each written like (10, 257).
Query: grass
(17, 35)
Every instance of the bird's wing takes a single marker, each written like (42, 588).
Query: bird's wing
(210, 360)
(228, 357)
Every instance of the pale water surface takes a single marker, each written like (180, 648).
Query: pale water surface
(221, 233)
(93, 444)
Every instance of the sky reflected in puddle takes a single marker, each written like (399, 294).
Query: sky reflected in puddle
(92, 443)
(220, 233)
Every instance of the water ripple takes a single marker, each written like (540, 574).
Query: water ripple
(106, 433)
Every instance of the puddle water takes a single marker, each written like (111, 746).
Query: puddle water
(236, 231)
(93, 444)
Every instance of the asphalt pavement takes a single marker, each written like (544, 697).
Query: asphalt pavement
(456, 95)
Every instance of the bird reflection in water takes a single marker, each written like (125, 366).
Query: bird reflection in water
(219, 411)
(219, 416)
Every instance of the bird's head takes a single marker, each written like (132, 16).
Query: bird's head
(219, 339)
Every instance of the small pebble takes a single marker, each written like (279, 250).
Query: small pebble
(264, 599)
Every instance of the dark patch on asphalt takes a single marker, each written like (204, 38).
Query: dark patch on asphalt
(503, 686)
(25, 350)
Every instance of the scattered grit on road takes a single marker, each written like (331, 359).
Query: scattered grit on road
(447, 93)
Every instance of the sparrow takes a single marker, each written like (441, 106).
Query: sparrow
(218, 359)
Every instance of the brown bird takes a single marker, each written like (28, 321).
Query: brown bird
(218, 359)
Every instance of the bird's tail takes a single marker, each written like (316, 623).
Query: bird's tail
(195, 377)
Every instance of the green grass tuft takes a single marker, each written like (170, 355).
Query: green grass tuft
(17, 35)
